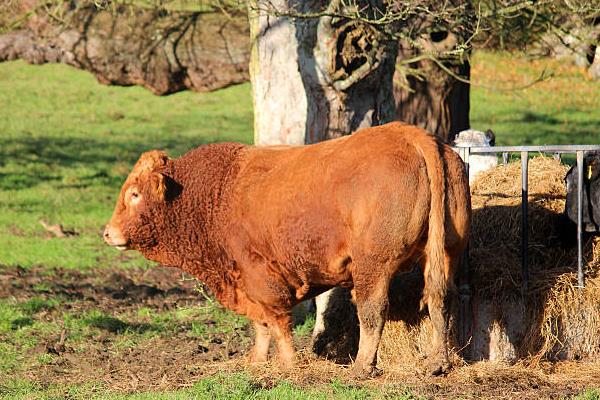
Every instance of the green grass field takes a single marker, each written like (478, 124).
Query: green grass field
(562, 110)
(66, 145)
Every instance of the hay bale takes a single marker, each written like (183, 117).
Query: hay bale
(554, 319)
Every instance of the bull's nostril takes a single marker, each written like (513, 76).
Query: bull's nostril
(106, 233)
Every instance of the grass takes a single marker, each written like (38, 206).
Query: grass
(562, 110)
(220, 386)
(26, 330)
(66, 145)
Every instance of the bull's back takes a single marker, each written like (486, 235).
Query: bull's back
(369, 163)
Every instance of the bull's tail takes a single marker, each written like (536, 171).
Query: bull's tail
(436, 276)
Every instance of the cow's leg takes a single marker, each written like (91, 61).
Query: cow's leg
(281, 328)
(260, 351)
(437, 302)
(371, 296)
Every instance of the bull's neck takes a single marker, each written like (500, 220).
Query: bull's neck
(191, 236)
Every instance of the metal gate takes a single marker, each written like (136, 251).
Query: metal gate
(464, 280)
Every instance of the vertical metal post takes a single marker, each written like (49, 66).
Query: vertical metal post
(524, 222)
(464, 285)
(580, 280)
(505, 158)
(557, 157)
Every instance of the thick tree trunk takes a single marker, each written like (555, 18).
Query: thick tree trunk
(316, 79)
(163, 51)
(438, 103)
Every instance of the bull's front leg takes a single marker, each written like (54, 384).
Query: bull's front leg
(281, 329)
(262, 341)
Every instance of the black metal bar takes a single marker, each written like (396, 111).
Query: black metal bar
(580, 279)
(464, 285)
(524, 222)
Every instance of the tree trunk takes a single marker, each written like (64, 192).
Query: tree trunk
(164, 51)
(316, 79)
(430, 82)
(438, 103)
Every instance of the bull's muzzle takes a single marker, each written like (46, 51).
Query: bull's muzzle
(113, 237)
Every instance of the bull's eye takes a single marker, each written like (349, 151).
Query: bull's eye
(133, 196)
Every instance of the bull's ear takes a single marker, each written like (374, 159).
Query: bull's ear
(158, 185)
(163, 186)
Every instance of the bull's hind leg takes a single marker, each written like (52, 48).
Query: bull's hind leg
(260, 351)
(371, 296)
(437, 297)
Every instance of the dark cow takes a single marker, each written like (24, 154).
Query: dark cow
(591, 196)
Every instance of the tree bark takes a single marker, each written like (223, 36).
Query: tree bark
(163, 51)
(316, 79)
(432, 91)
(439, 103)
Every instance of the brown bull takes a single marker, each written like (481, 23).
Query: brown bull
(267, 227)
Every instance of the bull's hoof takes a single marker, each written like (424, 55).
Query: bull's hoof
(369, 372)
(257, 360)
(287, 363)
(438, 368)
(255, 357)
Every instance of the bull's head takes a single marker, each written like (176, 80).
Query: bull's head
(132, 225)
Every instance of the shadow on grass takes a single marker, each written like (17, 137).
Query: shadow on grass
(38, 158)
(542, 128)
(21, 323)
(117, 326)
(529, 116)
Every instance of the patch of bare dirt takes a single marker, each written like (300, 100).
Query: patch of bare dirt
(159, 361)
(107, 289)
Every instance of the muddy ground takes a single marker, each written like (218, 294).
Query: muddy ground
(168, 359)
